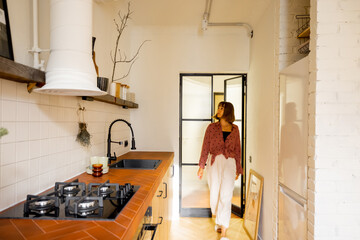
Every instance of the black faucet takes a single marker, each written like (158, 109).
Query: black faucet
(112, 158)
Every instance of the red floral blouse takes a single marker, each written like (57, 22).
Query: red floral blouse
(215, 145)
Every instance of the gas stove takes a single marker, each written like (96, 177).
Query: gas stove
(75, 200)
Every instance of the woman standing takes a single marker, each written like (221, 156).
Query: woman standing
(221, 149)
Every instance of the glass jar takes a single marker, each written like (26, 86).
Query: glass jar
(124, 90)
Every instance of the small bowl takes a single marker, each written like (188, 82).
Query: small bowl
(97, 165)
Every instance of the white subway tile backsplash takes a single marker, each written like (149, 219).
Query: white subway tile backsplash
(8, 90)
(53, 129)
(44, 99)
(34, 98)
(34, 187)
(22, 170)
(34, 164)
(11, 136)
(44, 181)
(44, 165)
(34, 130)
(7, 197)
(8, 174)
(44, 146)
(34, 112)
(22, 95)
(22, 190)
(22, 151)
(44, 113)
(52, 178)
(61, 114)
(22, 131)
(44, 130)
(34, 149)
(8, 111)
(54, 113)
(8, 154)
(61, 174)
(22, 112)
(52, 161)
(54, 100)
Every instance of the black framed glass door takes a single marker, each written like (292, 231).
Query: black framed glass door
(198, 95)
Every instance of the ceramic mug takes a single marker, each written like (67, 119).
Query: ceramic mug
(93, 160)
(104, 162)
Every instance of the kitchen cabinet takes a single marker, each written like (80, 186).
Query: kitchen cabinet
(162, 207)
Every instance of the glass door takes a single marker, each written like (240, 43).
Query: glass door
(235, 92)
(196, 112)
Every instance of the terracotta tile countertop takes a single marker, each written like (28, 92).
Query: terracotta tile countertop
(123, 227)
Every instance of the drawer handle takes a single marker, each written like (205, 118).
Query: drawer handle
(161, 193)
(161, 220)
(166, 192)
(173, 171)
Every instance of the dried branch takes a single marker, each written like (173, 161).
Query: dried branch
(118, 58)
(127, 74)
(133, 58)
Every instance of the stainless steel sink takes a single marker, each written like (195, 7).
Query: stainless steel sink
(136, 164)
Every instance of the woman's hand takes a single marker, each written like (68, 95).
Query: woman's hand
(200, 173)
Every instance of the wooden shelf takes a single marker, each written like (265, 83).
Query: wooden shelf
(112, 100)
(17, 72)
(305, 33)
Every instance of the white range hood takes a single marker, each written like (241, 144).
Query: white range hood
(70, 70)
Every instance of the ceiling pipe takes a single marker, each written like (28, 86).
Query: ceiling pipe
(35, 49)
(206, 23)
(70, 70)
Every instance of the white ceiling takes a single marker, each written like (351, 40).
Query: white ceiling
(190, 12)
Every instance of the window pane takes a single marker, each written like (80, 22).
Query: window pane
(234, 95)
(196, 97)
(192, 137)
(194, 193)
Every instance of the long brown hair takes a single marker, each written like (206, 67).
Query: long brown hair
(228, 112)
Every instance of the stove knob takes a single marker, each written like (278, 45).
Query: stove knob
(127, 187)
(122, 193)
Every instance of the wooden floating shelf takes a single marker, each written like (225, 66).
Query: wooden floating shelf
(112, 100)
(305, 33)
(17, 72)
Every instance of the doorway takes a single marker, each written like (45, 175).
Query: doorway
(199, 97)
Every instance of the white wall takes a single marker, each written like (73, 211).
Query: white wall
(261, 115)
(334, 169)
(40, 147)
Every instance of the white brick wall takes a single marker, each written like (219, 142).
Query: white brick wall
(40, 148)
(334, 170)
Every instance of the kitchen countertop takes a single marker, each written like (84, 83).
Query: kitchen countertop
(123, 227)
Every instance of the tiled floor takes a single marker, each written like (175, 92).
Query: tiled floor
(203, 229)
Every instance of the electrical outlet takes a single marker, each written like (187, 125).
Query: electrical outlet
(126, 143)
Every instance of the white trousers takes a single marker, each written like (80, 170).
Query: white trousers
(221, 180)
